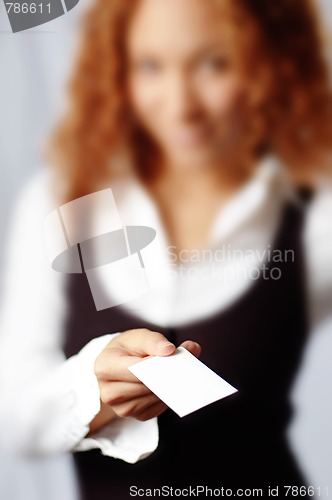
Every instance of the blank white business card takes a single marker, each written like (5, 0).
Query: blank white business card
(181, 381)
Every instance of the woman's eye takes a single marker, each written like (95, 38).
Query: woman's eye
(215, 64)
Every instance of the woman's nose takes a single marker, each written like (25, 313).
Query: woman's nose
(182, 100)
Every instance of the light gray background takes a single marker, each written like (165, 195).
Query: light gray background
(34, 66)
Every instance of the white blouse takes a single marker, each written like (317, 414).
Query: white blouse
(47, 401)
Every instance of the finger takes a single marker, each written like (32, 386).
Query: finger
(193, 347)
(113, 366)
(152, 411)
(134, 406)
(143, 342)
(120, 392)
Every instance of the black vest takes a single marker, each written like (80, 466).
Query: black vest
(256, 345)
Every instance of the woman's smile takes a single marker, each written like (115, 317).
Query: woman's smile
(187, 137)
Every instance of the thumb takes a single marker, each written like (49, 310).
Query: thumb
(143, 342)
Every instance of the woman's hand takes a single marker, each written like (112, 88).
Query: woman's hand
(119, 388)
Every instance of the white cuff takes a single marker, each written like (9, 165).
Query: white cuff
(124, 438)
(74, 391)
(84, 382)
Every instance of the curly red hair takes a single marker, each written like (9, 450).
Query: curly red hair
(280, 51)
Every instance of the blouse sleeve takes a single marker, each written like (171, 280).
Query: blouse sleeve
(47, 402)
(310, 431)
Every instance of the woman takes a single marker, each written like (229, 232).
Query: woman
(213, 122)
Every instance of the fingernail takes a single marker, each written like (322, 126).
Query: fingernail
(164, 343)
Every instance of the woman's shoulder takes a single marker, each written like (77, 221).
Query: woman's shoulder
(37, 189)
(30, 206)
(34, 199)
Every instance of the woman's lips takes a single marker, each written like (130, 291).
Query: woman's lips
(187, 138)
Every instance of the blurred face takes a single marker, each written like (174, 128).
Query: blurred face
(184, 87)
